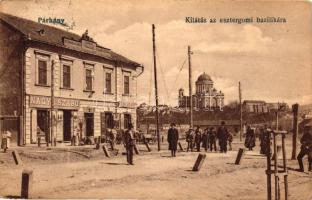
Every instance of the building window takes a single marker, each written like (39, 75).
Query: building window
(66, 76)
(89, 79)
(127, 120)
(42, 72)
(108, 82)
(126, 85)
(42, 69)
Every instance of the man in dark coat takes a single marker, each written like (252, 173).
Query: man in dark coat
(129, 143)
(173, 138)
(250, 139)
(197, 139)
(112, 138)
(223, 135)
(264, 138)
(190, 139)
(230, 139)
(306, 148)
(205, 139)
(212, 139)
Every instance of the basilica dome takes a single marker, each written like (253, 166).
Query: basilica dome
(204, 78)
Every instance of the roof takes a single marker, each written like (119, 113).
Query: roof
(306, 123)
(55, 36)
(204, 77)
(216, 122)
(254, 101)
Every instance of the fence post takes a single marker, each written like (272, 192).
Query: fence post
(295, 109)
(285, 167)
(20, 128)
(240, 155)
(1, 130)
(27, 177)
(199, 162)
(268, 171)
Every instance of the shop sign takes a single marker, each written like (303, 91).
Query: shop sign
(45, 102)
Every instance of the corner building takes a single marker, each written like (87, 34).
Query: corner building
(63, 81)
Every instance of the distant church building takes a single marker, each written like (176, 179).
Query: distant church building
(206, 96)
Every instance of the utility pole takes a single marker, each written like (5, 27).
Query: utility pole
(295, 109)
(277, 110)
(241, 111)
(52, 104)
(190, 86)
(156, 91)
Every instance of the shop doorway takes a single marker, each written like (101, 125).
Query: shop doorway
(67, 125)
(127, 120)
(89, 117)
(109, 120)
(43, 122)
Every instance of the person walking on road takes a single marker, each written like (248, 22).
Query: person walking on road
(264, 138)
(189, 139)
(212, 139)
(250, 139)
(173, 138)
(306, 148)
(198, 139)
(222, 136)
(205, 140)
(112, 138)
(129, 143)
(230, 139)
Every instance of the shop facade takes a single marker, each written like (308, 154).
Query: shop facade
(69, 84)
(91, 118)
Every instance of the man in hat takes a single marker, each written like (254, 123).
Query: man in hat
(189, 139)
(306, 148)
(212, 139)
(198, 139)
(173, 137)
(205, 139)
(265, 140)
(223, 135)
(250, 139)
(129, 143)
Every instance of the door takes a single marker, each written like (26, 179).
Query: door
(89, 117)
(127, 120)
(67, 125)
(109, 120)
(43, 122)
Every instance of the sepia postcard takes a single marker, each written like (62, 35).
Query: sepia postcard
(139, 99)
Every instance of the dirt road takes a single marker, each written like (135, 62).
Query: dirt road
(155, 175)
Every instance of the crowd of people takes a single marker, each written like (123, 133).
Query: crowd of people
(207, 139)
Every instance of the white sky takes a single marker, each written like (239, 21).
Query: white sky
(272, 61)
